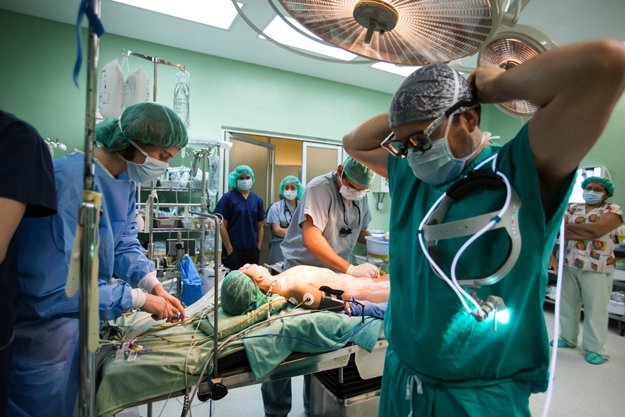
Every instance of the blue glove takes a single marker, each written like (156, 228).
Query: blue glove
(370, 309)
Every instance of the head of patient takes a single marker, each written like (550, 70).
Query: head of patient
(239, 294)
(260, 275)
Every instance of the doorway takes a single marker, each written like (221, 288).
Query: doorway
(273, 157)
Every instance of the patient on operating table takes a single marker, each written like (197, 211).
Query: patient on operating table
(308, 286)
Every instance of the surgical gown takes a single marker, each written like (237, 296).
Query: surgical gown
(44, 375)
(441, 361)
(339, 223)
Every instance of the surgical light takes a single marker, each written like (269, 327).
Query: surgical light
(406, 32)
(510, 48)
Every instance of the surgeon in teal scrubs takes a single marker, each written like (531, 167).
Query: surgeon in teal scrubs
(441, 361)
(134, 148)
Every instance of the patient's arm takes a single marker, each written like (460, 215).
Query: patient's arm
(305, 294)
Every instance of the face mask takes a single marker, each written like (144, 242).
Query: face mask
(438, 165)
(244, 184)
(290, 194)
(148, 171)
(592, 197)
(352, 194)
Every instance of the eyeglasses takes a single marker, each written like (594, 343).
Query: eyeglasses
(345, 231)
(422, 141)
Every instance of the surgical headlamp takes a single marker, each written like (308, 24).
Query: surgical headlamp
(433, 229)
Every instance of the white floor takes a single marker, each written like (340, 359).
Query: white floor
(580, 389)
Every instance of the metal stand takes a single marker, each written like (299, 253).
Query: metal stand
(156, 60)
(87, 217)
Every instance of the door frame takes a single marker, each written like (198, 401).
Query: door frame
(228, 136)
(306, 145)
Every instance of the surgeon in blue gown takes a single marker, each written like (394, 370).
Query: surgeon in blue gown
(134, 148)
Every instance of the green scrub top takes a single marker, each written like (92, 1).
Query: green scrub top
(427, 327)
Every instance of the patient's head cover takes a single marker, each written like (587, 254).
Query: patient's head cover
(239, 294)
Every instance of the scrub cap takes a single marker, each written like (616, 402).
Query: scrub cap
(239, 294)
(426, 94)
(606, 183)
(147, 123)
(357, 172)
(236, 173)
(296, 181)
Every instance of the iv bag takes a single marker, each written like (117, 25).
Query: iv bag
(137, 88)
(181, 96)
(213, 174)
(110, 90)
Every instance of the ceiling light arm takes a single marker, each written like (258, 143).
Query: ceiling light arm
(288, 48)
(295, 28)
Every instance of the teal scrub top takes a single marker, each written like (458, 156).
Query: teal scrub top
(426, 325)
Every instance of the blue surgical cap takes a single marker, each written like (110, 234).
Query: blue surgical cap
(427, 93)
(236, 173)
(296, 181)
(148, 123)
(357, 172)
(606, 183)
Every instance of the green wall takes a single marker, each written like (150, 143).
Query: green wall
(38, 55)
(37, 58)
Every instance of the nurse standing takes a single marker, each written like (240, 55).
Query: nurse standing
(243, 220)
(280, 214)
(133, 149)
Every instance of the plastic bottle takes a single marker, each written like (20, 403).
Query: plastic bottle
(182, 96)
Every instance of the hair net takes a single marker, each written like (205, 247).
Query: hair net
(236, 173)
(426, 94)
(239, 294)
(147, 123)
(606, 183)
(357, 172)
(296, 181)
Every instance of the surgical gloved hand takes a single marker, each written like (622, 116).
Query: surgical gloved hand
(365, 270)
(174, 303)
(376, 310)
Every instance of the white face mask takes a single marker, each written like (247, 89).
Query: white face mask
(290, 194)
(438, 165)
(244, 184)
(351, 193)
(150, 170)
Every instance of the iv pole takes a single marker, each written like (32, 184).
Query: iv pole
(88, 218)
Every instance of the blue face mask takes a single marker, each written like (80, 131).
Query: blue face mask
(244, 184)
(438, 165)
(592, 197)
(150, 170)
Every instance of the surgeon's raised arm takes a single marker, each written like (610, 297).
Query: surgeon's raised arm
(363, 143)
(576, 88)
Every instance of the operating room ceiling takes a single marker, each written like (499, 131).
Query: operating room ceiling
(567, 20)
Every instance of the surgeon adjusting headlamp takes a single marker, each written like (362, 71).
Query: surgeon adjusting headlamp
(433, 229)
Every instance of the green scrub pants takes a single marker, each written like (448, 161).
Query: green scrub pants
(406, 394)
(592, 290)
